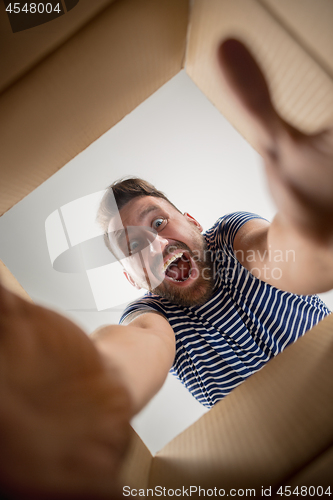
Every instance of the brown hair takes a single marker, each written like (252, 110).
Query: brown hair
(123, 191)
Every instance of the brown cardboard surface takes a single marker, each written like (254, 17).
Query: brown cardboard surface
(310, 23)
(266, 430)
(9, 281)
(85, 87)
(24, 49)
(319, 472)
(301, 89)
(136, 468)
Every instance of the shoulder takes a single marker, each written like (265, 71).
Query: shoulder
(154, 321)
(230, 230)
(251, 244)
(149, 303)
(154, 324)
(252, 235)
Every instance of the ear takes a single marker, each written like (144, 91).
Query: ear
(193, 220)
(131, 280)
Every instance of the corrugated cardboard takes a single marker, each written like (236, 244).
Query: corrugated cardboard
(309, 23)
(277, 427)
(316, 473)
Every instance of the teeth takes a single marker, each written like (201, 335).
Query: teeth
(172, 259)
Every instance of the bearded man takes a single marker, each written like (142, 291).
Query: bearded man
(212, 315)
(226, 322)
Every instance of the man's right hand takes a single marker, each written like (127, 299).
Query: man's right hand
(299, 170)
(299, 166)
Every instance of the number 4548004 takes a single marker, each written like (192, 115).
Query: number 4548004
(311, 491)
(33, 8)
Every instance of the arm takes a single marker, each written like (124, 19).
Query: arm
(143, 351)
(64, 414)
(65, 410)
(299, 169)
(283, 258)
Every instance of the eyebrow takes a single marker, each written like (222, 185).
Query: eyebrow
(146, 211)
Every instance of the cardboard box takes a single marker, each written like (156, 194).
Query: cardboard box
(62, 91)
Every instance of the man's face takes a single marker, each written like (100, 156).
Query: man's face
(163, 251)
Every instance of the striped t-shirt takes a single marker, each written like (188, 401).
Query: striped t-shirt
(244, 324)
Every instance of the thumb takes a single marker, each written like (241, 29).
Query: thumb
(248, 84)
(7, 299)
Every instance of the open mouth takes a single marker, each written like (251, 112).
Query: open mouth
(178, 267)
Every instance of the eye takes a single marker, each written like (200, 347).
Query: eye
(133, 246)
(158, 223)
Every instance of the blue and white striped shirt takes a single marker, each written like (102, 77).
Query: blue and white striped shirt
(244, 324)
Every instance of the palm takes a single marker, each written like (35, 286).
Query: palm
(64, 417)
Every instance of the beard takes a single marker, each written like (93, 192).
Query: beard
(201, 290)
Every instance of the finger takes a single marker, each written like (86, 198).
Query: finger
(248, 84)
(7, 300)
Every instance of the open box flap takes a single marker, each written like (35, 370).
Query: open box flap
(308, 22)
(85, 87)
(260, 433)
(301, 87)
(26, 48)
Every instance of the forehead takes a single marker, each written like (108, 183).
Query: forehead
(137, 211)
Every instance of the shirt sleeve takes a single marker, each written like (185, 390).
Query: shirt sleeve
(147, 303)
(226, 228)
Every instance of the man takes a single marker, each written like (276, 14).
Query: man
(214, 321)
(226, 322)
